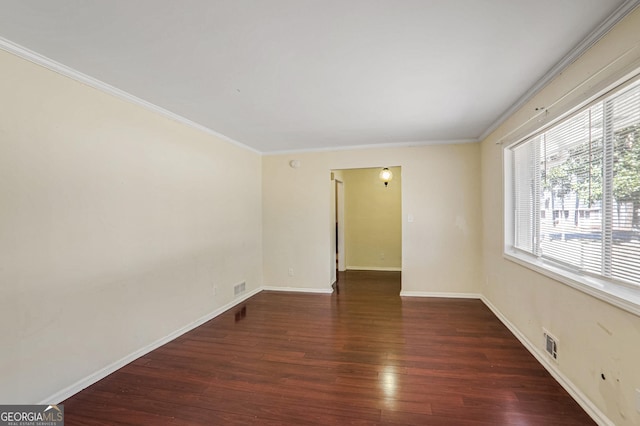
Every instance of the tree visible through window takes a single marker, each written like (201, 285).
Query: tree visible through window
(576, 190)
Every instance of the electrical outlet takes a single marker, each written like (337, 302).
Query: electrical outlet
(215, 290)
(290, 272)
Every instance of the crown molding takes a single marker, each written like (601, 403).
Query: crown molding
(623, 10)
(372, 146)
(76, 75)
(594, 36)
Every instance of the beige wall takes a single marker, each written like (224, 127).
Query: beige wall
(373, 220)
(440, 189)
(595, 337)
(115, 225)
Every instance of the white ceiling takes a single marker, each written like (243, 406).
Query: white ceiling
(284, 75)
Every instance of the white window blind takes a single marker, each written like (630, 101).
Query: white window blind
(576, 190)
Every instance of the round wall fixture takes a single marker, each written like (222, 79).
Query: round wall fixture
(294, 164)
(386, 176)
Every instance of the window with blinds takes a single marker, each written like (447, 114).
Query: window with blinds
(576, 190)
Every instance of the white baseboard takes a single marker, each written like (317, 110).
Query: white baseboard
(590, 408)
(104, 372)
(587, 405)
(374, 268)
(299, 289)
(440, 294)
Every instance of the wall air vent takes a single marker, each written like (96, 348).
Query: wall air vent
(239, 288)
(551, 345)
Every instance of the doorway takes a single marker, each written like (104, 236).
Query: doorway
(366, 221)
(341, 265)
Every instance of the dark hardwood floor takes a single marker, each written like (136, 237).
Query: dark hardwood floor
(363, 356)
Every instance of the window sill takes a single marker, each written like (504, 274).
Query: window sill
(625, 298)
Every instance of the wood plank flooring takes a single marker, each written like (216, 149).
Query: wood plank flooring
(363, 356)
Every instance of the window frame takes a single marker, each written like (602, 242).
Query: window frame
(620, 294)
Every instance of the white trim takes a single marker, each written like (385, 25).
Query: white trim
(623, 296)
(604, 27)
(591, 409)
(299, 289)
(374, 268)
(104, 372)
(623, 10)
(66, 71)
(587, 405)
(440, 294)
(375, 145)
(618, 295)
(69, 72)
(612, 75)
